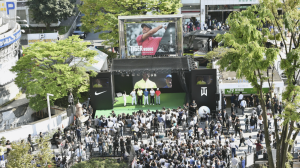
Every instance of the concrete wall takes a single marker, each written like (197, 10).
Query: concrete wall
(58, 120)
(8, 92)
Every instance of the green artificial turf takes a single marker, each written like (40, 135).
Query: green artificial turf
(167, 100)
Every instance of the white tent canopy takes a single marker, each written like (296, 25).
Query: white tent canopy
(100, 57)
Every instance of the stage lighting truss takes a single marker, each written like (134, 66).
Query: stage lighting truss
(133, 74)
(154, 74)
(137, 74)
(127, 74)
(151, 75)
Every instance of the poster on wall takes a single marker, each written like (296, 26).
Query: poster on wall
(144, 39)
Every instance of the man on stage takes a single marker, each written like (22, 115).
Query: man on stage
(152, 93)
(140, 98)
(133, 95)
(157, 93)
(146, 93)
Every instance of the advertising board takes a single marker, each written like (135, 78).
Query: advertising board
(144, 39)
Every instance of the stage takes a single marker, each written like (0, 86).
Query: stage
(167, 100)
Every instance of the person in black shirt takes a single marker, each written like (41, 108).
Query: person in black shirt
(233, 117)
(251, 101)
(276, 107)
(257, 100)
(237, 128)
(116, 146)
(236, 105)
(212, 127)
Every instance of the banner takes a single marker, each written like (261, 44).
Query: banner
(144, 39)
(244, 91)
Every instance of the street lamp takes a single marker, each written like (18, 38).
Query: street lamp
(49, 112)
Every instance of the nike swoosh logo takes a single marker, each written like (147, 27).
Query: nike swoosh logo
(99, 93)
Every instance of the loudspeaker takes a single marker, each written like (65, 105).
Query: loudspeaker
(217, 97)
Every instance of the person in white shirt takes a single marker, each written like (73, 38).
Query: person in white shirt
(243, 105)
(235, 161)
(114, 120)
(152, 93)
(87, 140)
(240, 98)
(124, 98)
(133, 95)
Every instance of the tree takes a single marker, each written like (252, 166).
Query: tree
(249, 56)
(51, 11)
(45, 154)
(45, 69)
(105, 163)
(19, 156)
(102, 15)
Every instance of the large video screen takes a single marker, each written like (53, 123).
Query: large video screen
(204, 80)
(100, 83)
(150, 39)
(145, 80)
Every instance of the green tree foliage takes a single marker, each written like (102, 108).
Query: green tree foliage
(19, 156)
(45, 154)
(51, 11)
(45, 69)
(102, 15)
(249, 57)
(96, 163)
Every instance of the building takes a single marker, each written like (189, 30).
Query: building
(10, 34)
(206, 10)
(25, 18)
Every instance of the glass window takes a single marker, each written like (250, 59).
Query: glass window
(22, 15)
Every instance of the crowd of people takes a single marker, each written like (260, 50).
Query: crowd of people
(168, 138)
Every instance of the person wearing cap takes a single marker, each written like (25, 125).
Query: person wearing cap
(145, 82)
(146, 93)
(149, 44)
(168, 81)
(157, 93)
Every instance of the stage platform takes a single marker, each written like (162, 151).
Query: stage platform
(167, 100)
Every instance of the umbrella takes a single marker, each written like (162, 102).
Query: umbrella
(202, 110)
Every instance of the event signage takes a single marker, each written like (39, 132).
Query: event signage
(244, 90)
(144, 39)
(204, 91)
(10, 39)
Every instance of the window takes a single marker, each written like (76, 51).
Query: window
(22, 15)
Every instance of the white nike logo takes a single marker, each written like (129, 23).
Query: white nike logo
(99, 93)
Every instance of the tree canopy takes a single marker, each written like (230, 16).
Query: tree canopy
(246, 52)
(45, 68)
(51, 11)
(102, 15)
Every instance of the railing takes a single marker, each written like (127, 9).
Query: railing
(66, 35)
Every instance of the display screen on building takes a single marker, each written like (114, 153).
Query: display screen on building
(150, 39)
(146, 81)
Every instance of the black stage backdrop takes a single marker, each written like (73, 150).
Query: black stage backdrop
(204, 94)
(101, 94)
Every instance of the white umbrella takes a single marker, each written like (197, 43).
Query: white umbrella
(202, 110)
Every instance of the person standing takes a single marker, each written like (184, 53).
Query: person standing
(250, 144)
(133, 95)
(71, 99)
(225, 117)
(240, 98)
(124, 98)
(78, 133)
(251, 100)
(276, 107)
(235, 161)
(30, 142)
(146, 93)
(258, 148)
(152, 93)
(157, 93)
(2, 150)
(243, 106)
(224, 102)
(140, 98)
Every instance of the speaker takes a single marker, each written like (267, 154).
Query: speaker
(217, 98)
